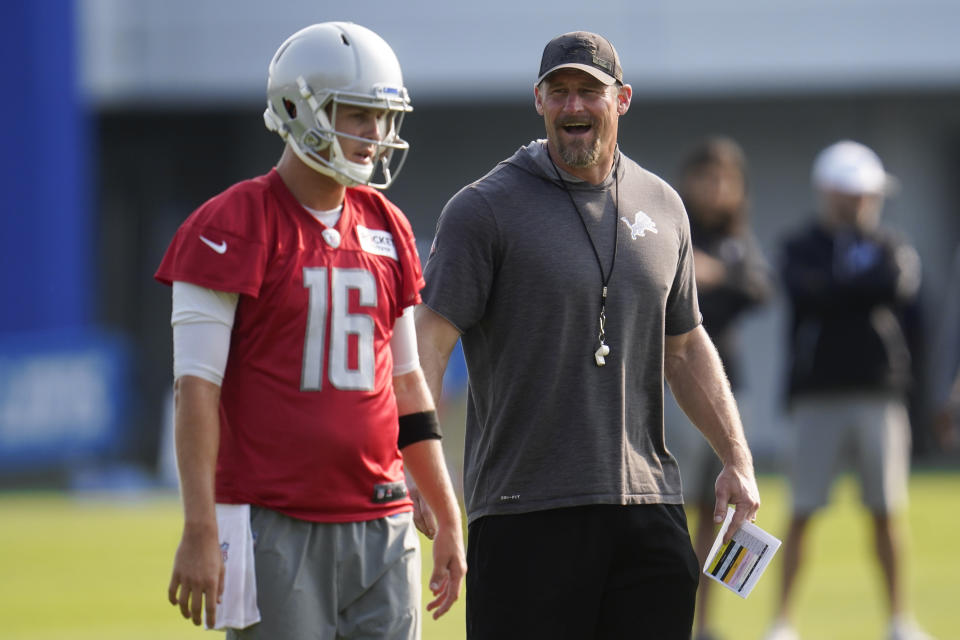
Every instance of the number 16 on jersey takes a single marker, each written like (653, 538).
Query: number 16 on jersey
(343, 324)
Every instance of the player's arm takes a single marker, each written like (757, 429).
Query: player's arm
(419, 442)
(202, 321)
(695, 374)
(434, 341)
(425, 462)
(403, 345)
(197, 567)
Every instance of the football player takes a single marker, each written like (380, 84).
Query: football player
(299, 394)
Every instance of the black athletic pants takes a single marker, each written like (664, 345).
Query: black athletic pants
(598, 571)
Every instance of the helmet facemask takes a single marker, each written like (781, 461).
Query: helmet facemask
(324, 137)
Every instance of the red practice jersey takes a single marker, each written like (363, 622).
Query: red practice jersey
(308, 419)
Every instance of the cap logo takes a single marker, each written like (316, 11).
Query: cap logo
(603, 63)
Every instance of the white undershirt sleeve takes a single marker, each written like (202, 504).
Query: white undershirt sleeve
(403, 344)
(202, 322)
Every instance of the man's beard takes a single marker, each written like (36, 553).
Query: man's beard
(581, 153)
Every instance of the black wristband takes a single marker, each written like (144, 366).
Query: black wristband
(415, 427)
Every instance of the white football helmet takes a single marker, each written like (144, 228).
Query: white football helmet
(326, 65)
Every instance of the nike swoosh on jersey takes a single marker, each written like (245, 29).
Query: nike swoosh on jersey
(220, 247)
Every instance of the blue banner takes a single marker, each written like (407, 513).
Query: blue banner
(63, 399)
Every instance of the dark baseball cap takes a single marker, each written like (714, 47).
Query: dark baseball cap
(585, 51)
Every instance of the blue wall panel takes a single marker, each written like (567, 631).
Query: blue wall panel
(46, 230)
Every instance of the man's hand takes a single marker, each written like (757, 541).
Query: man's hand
(736, 486)
(424, 460)
(423, 516)
(711, 272)
(198, 574)
(449, 568)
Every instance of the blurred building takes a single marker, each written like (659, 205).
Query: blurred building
(164, 101)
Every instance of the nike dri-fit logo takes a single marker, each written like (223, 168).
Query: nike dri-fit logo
(220, 247)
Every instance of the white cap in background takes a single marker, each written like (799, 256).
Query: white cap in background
(853, 168)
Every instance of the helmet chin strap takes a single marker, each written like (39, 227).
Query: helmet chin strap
(349, 174)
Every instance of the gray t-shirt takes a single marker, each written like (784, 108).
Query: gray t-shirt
(513, 270)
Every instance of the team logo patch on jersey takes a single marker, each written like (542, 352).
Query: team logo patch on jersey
(640, 225)
(377, 242)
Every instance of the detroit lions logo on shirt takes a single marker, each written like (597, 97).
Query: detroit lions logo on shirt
(641, 224)
(377, 241)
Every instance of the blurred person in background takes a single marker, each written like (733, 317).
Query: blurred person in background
(733, 277)
(946, 356)
(299, 395)
(850, 282)
(567, 273)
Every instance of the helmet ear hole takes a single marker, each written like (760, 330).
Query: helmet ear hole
(290, 107)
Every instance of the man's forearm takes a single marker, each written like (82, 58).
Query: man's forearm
(197, 431)
(699, 384)
(436, 338)
(425, 462)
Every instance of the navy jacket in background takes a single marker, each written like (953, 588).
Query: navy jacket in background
(848, 292)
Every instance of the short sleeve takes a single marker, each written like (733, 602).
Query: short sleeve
(222, 245)
(683, 310)
(462, 263)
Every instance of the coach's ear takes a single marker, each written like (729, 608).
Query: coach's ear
(537, 100)
(624, 95)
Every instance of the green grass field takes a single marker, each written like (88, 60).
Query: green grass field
(98, 567)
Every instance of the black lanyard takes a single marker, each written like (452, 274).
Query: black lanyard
(604, 348)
